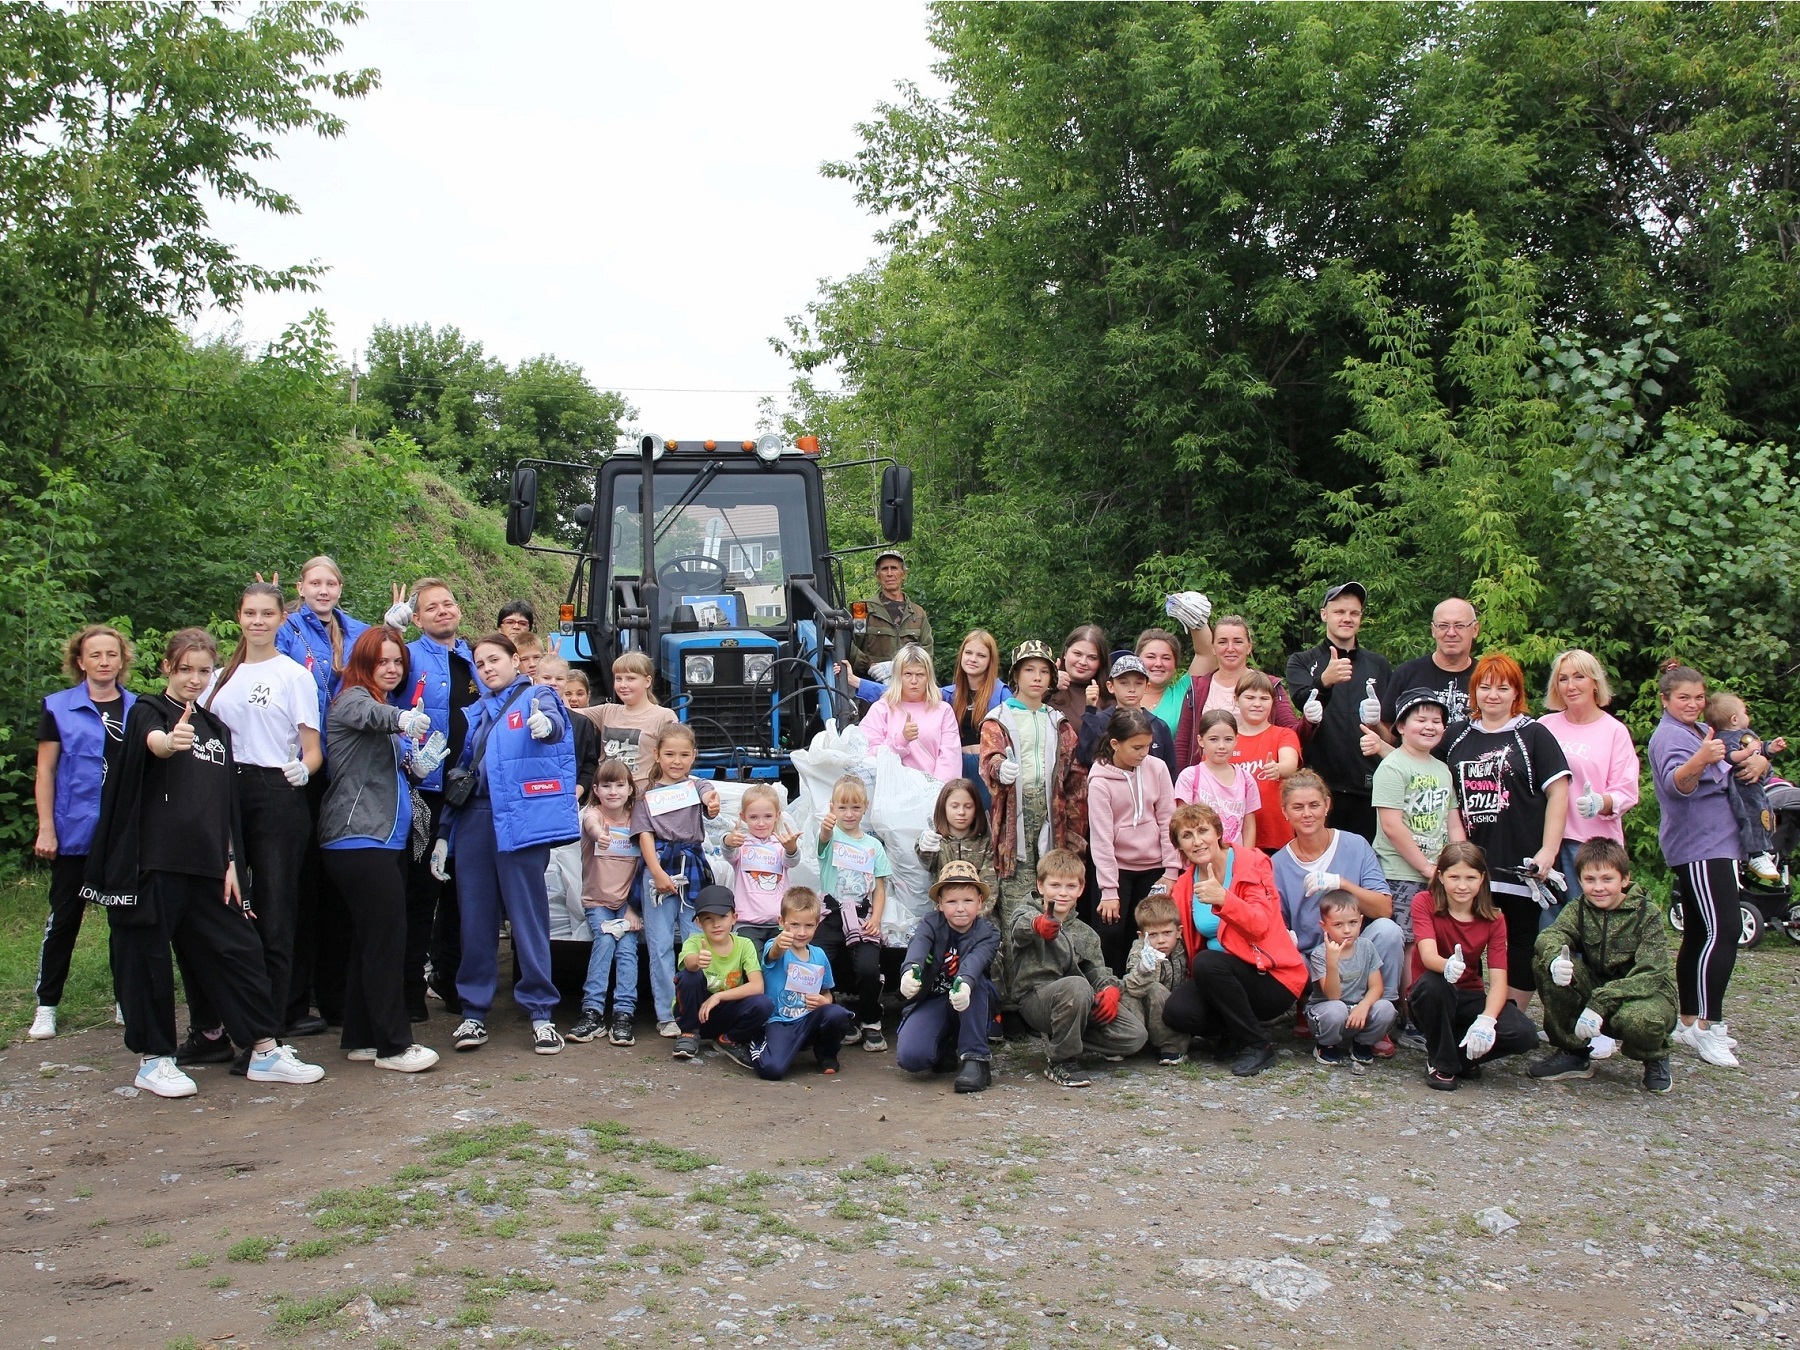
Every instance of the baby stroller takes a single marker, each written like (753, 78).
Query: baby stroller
(1766, 905)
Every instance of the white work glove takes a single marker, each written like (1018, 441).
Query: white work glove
(959, 994)
(399, 616)
(1149, 959)
(910, 983)
(1313, 710)
(440, 860)
(616, 928)
(1455, 966)
(539, 725)
(1479, 1039)
(1562, 969)
(425, 758)
(1368, 712)
(881, 672)
(1317, 883)
(1190, 609)
(415, 723)
(1590, 803)
(930, 841)
(1008, 772)
(1588, 1025)
(296, 772)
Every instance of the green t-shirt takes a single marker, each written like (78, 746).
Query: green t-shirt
(1420, 789)
(1168, 707)
(725, 972)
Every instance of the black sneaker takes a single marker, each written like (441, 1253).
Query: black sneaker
(1563, 1064)
(1657, 1077)
(620, 1032)
(1252, 1060)
(546, 1039)
(975, 1076)
(687, 1047)
(741, 1055)
(469, 1035)
(199, 1048)
(1439, 1081)
(1328, 1054)
(1067, 1073)
(1361, 1057)
(587, 1026)
(240, 1066)
(829, 1067)
(1170, 1057)
(872, 1039)
(310, 1025)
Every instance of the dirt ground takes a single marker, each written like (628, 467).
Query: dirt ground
(616, 1197)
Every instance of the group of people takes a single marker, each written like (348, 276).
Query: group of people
(332, 824)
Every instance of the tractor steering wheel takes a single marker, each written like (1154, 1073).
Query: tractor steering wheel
(677, 573)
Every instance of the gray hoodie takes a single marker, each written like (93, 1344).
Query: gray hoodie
(365, 770)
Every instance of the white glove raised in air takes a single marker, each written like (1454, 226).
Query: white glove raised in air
(881, 672)
(1368, 712)
(539, 725)
(1562, 969)
(910, 983)
(399, 615)
(425, 758)
(440, 860)
(1590, 803)
(1008, 772)
(959, 994)
(415, 722)
(296, 772)
(1313, 710)
(1317, 883)
(1190, 609)
(1149, 959)
(930, 841)
(1588, 1025)
(1479, 1039)
(1454, 966)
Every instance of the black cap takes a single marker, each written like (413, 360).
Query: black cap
(1347, 588)
(715, 900)
(1419, 698)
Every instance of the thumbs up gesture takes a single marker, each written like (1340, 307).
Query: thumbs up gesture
(1368, 712)
(911, 729)
(1590, 803)
(1711, 750)
(735, 836)
(1455, 966)
(181, 735)
(539, 724)
(1562, 969)
(1312, 710)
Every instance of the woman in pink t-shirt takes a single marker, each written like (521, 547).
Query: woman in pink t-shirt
(913, 720)
(1601, 757)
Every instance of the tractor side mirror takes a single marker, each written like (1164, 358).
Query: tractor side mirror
(896, 503)
(521, 506)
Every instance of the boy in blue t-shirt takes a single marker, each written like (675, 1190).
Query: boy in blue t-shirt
(797, 980)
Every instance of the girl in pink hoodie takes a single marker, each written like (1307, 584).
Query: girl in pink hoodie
(1130, 802)
(913, 720)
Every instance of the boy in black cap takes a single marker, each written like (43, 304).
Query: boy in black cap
(719, 983)
(950, 999)
(1337, 687)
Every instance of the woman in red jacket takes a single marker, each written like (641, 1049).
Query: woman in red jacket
(1243, 967)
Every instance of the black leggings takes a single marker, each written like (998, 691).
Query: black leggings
(1226, 997)
(855, 966)
(1115, 937)
(1522, 914)
(1708, 891)
(373, 880)
(61, 928)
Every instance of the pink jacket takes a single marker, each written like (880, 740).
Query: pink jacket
(1128, 822)
(938, 749)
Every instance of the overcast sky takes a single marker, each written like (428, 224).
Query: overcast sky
(635, 187)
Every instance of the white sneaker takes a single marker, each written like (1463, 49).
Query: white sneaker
(1712, 1048)
(668, 1029)
(1684, 1034)
(363, 1056)
(1725, 1035)
(282, 1065)
(413, 1059)
(159, 1075)
(1602, 1047)
(118, 1016)
(43, 1026)
(1765, 869)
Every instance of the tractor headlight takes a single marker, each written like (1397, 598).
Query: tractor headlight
(757, 667)
(697, 670)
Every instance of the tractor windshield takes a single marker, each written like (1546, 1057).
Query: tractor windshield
(718, 534)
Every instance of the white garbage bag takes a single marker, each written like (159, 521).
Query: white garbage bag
(562, 879)
(900, 809)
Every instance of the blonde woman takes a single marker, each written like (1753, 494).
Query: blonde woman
(913, 720)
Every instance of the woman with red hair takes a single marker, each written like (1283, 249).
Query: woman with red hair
(1511, 782)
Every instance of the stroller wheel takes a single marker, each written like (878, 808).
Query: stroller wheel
(1675, 917)
(1750, 925)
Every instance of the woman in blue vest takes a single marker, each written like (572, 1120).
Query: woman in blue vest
(509, 801)
(79, 735)
(319, 634)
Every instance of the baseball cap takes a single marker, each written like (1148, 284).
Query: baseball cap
(1032, 649)
(893, 553)
(957, 872)
(715, 900)
(1126, 663)
(1417, 698)
(1347, 588)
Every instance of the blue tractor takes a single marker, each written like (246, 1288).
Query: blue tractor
(733, 589)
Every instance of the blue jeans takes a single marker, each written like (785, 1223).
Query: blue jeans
(668, 919)
(930, 1027)
(1565, 863)
(822, 1028)
(606, 949)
